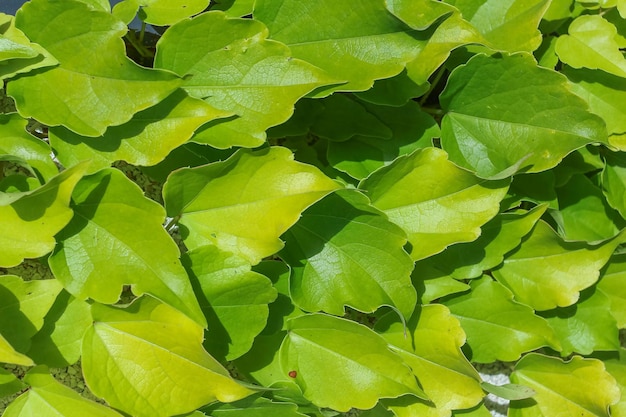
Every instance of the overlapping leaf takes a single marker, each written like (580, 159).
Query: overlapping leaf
(616, 366)
(592, 44)
(506, 114)
(243, 204)
(510, 25)
(29, 220)
(47, 397)
(363, 366)
(581, 386)
(548, 272)
(233, 298)
(9, 383)
(259, 407)
(231, 65)
(497, 327)
(234, 8)
(159, 12)
(145, 140)
(146, 360)
(613, 285)
(419, 14)
(433, 351)
(95, 85)
(344, 252)
(435, 202)
(8, 354)
(614, 181)
(333, 37)
(117, 233)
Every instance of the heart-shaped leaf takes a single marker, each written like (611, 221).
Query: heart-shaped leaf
(102, 238)
(145, 360)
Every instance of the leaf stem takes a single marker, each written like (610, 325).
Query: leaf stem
(433, 85)
(138, 44)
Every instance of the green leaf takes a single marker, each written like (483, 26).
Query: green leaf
(592, 44)
(29, 220)
(604, 93)
(499, 236)
(433, 351)
(234, 8)
(243, 204)
(614, 181)
(158, 12)
(9, 355)
(92, 88)
(585, 327)
(360, 156)
(333, 37)
(146, 360)
(481, 133)
(233, 298)
(435, 202)
(580, 386)
(498, 327)
(9, 383)
(395, 91)
(47, 397)
(118, 232)
(145, 140)
(327, 352)
(584, 213)
(17, 53)
(616, 366)
(57, 343)
(612, 285)
(344, 252)
(258, 407)
(419, 14)
(231, 65)
(510, 25)
(547, 272)
(509, 391)
(23, 306)
(18, 142)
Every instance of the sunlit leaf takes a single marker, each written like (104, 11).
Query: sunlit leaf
(616, 366)
(333, 37)
(548, 272)
(509, 391)
(234, 8)
(93, 87)
(47, 397)
(344, 252)
(419, 14)
(259, 407)
(579, 387)
(233, 298)
(435, 202)
(146, 360)
(498, 327)
(482, 133)
(433, 351)
(103, 238)
(29, 220)
(362, 365)
(614, 181)
(245, 203)
(159, 12)
(613, 285)
(231, 65)
(9, 355)
(9, 383)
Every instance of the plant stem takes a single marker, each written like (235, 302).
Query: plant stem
(138, 45)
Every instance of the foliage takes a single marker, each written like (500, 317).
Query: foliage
(290, 208)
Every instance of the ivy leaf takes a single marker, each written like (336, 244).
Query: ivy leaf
(481, 133)
(234, 8)
(231, 65)
(9, 383)
(395, 91)
(616, 366)
(360, 156)
(361, 363)
(419, 14)
(111, 213)
(581, 386)
(92, 88)
(17, 53)
(435, 202)
(510, 25)
(614, 181)
(233, 298)
(48, 397)
(343, 253)
(497, 327)
(585, 327)
(612, 285)
(18, 142)
(145, 140)
(161, 381)
(9, 355)
(499, 236)
(509, 391)
(547, 272)
(29, 220)
(433, 351)
(23, 306)
(158, 12)
(332, 36)
(259, 407)
(592, 44)
(242, 205)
